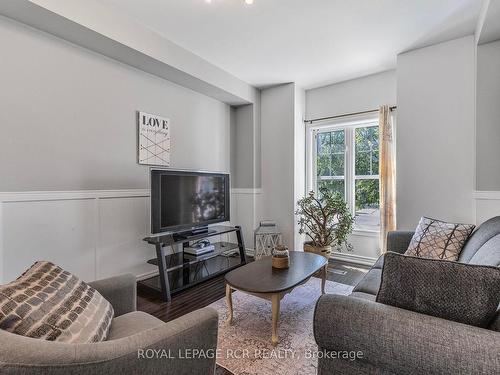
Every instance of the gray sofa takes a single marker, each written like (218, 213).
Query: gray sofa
(397, 341)
(131, 331)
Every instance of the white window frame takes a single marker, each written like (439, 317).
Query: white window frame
(348, 125)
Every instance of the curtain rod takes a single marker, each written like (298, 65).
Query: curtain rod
(392, 108)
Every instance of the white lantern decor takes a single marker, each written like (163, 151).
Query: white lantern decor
(266, 237)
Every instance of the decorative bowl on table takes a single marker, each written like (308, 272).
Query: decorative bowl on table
(281, 257)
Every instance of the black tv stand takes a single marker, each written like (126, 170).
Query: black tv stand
(179, 271)
(188, 234)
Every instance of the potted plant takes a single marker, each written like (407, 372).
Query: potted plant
(326, 221)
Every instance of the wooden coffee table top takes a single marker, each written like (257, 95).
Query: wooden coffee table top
(261, 277)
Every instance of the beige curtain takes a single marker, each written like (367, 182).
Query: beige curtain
(387, 175)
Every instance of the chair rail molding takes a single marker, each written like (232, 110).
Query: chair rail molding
(486, 195)
(49, 195)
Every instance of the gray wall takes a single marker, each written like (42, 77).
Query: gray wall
(257, 144)
(97, 26)
(352, 96)
(299, 168)
(242, 147)
(68, 117)
(277, 126)
(355, 95)
(488, 117)
(435, 133)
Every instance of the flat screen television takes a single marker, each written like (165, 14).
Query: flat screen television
(184, 201)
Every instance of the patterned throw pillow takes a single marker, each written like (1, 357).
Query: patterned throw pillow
(49, 303)
(436, 239)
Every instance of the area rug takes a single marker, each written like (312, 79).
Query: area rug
(245, 346)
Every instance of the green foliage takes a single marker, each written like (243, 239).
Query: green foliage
(334, 186)
(367, 194)
(326, 219)
(331, 162)
(367, 164)
(330, 152)
(367, 150)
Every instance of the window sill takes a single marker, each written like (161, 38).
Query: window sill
(365, 233)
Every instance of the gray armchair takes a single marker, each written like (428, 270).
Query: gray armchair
(131, 332)
(397, 341)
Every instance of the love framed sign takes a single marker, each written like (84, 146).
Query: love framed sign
(153, 140)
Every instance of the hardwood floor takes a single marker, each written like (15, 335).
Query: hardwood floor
(210, 291)
(346, 273)
(182, 303)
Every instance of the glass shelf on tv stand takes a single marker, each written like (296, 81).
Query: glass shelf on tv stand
(181, 259)
(171, 239)
(169, 266)
(192, 274)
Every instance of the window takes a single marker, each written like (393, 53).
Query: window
(345, 159)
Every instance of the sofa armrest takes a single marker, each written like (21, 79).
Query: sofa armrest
(398, 240)
(120, 291)
(404, 342)
(183, 346)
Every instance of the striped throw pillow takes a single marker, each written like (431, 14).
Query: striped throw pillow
(47, 302)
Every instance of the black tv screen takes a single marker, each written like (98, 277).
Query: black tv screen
(184, 200)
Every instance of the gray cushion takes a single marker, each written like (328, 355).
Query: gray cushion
(21, 355)
(481, 235)
(398, 241)
(495, 323)
(399, 341)
(120, 291)
(370, 297)
(488, 254)
(464, 293)
(370, 283)
(379, 263)
(132, 323)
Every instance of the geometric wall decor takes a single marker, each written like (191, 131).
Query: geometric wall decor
(154, 140)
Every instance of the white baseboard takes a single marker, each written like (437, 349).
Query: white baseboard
(353, 258)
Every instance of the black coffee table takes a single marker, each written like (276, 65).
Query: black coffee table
(260, 279)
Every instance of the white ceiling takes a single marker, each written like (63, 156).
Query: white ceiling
(310, 42)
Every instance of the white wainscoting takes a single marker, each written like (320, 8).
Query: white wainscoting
(94, 234)
(245, 204)
(487, 205)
